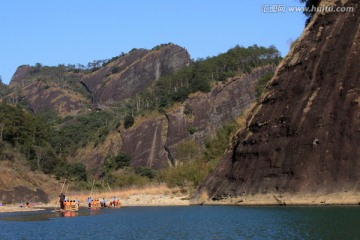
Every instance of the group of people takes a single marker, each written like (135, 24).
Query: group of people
(115, 202)
(65, 203)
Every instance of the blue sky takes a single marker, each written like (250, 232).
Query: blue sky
(55, 32)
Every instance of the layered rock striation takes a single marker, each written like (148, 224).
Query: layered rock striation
(152, 142)
(68, 92)
(131, 74)
(303, 137)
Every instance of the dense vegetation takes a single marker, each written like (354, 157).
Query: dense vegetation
(22, 132)
(3, 88)
(73, 133)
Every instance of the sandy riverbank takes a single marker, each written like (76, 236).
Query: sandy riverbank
(14, 208)
(155, 200)
(171, 197)
(129, 201)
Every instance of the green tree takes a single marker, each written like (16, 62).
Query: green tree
(128, 121)
(186, 151)
(113, 163)
(122, 160)
(145, 172)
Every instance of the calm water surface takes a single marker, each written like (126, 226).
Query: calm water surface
(195, 222)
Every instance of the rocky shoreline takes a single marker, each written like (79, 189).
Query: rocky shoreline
(343, 198)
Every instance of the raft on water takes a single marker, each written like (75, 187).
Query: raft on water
(70, 206)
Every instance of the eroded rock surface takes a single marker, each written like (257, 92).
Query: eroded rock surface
(304, 136)
(151, 143)
(131, 74)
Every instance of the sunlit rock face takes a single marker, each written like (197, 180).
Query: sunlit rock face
(133, 73)
(304, 135)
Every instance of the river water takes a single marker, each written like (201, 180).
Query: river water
(194, 222)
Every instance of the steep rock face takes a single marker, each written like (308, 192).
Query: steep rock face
(225, 102)
(178, 126)
(93, 80)
(131, 74)
(93, 154)
(151, 143)
(21, 73)
(145, 143)
(46, 91)
(68, 92)
(304, 136)
(63, 101)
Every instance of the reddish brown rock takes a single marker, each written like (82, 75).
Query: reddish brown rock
(178, 126)
(145, 144)
(134, 72)
(46, 90)
(224, 103)
(151, 143)
(304, 136)
(21, 73)
(66, 92)
(23, 194)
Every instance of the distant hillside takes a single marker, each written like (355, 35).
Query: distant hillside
(125, 120)
(68, 90)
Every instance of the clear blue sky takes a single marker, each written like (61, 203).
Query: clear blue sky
(55, 32)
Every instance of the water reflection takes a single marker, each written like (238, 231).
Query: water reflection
(69, 214)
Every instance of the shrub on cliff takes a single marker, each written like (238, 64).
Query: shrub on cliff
(186, 151)
(260, 88)
(74, 172)
(145, 172)
(128, 121)
(115, 70)
(113, 163)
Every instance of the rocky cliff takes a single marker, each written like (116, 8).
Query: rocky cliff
(131, 74)
(302, 139)
(48, 89)
(151, 143)
(69, 92)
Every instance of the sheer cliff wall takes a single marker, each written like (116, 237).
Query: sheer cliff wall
(304, 135)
